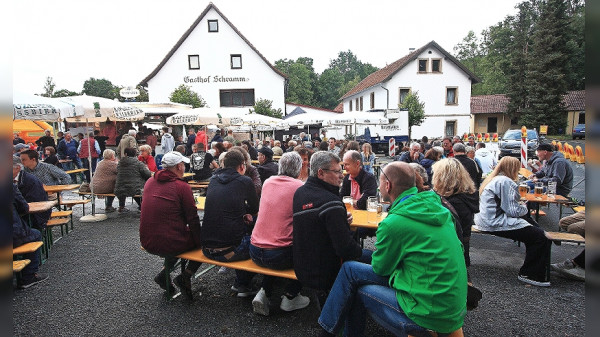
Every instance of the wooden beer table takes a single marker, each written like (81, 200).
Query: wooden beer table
(359, 219)
(543, 199)
(41, 206)
(200, 203)
(59, 188)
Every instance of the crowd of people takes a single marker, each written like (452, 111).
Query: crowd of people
(286, 211)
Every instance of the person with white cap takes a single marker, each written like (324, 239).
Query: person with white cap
(169, 223)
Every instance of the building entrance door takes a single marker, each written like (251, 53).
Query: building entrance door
(492, 125)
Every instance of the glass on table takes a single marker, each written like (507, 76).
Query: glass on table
(523, 189)
(551, 190)
(348, 202)
(372, 209)
(538, 190)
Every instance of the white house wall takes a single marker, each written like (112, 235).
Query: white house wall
(432, 91)
(215, 51)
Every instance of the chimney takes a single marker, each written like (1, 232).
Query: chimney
(410, 50)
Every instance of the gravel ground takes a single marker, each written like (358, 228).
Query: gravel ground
(101, 283)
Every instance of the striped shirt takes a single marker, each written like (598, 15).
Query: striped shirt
(50, 174)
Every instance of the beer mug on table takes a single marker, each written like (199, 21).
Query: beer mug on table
(538, 190)
(523, 189)
(551, 190)
(348, 203)
(372, 209)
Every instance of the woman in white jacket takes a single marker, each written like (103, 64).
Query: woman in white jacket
(501, 213)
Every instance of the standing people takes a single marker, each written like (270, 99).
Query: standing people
(368, 157)
(169, 223)
(202, 138)
(127, 141)
(332, 147)
(191, 140)
(151, 141)
(86, 147)
(501, 212)
(46, 140)
(67, 149)
(271, 241)
(167, 142)
(447, 145)
(229, 137)
(217, 137)
(17, 139)
(460, 153)
(486, 159)
(101, 140)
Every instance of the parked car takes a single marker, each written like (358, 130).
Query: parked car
(579, 131)
(510, 143)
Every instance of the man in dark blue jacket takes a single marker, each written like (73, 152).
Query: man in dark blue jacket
(23, 234)
(231, 201)
(32, 190)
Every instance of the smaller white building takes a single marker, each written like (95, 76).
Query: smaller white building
(442, 82)
(219, 63)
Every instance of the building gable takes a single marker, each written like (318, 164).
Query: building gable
(187, 33)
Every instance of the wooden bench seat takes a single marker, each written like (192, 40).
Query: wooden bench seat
(247, 265)
(71, 203)
(553, 236)
(61, 214)
(101, 194)
(29, 247)
(76, 171)
(20, 265)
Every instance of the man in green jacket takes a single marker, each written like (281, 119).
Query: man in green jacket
(417, 282)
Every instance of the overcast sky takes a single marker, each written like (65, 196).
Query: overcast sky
(123, 41)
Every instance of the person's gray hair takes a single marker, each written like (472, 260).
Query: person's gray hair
(17, 162)
(469, 149)
(322, 160)
(132, 132)
(67, 133)
(354, 155)
(439, 149)
(290, 164)
(414, 144)
(458, 147)
(420, 170)
(108, 154)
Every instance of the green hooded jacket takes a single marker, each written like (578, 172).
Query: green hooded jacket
(417, 247)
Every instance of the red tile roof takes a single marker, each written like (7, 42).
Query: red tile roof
(339, 107)
(387, 72)
(187, 33)
(574, 101)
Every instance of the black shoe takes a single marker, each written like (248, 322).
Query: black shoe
(162, 282)
(37, 278)
(184, 282)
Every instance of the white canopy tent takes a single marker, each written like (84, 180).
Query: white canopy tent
(34, 107)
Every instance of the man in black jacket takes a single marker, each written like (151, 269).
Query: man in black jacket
(267, 167)
(231, 201)
(46, 140)
(322, 236)
(32, 190)
(358, 183)
(460, 153)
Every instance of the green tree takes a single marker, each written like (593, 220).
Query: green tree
(416, 110)
(264, 107)
(99, 87)
(328, 88)
(185, 95)
(546, 78)
(64, 93)
(49, 87)
(302, 79)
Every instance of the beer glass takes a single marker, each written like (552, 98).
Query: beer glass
(523, 189)
(538, 189)
(348, 202)
(372, 210)
(551, 190)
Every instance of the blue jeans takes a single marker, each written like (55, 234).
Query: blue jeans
(358, 290)
(279, 258)
(29, 272)
(240, 253)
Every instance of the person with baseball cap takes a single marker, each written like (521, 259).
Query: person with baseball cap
(169, 223)
(267, 167)
(556, 168)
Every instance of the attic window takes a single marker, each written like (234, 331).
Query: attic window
(423, 65)
(194, 62)
(213, 26)
(436, 65)
(236, 61)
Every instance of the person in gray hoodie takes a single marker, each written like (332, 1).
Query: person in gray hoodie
(167, 142)
(557, 168)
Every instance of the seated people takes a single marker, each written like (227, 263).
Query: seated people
(251, 171)
(197, 161)
(413, 155)
(231, 201)
(48, 174)
(105, 178)
(267, 167)
(557, 168)
(501, 212)
(51, 157)
(417, 283)
(146, 158)
(322, 236)
(211, 162)
(358, 183)
(32, 190)
(131, 177)
(169, 223)
(22, 234)
(271, 241)
(305, 155)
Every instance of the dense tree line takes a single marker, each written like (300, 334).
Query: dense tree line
(534, 57)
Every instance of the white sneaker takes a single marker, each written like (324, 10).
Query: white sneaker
(223, 270)
(260, 303)
(298, 302)
(568, 269)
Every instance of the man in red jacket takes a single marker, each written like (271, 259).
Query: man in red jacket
(169, 223)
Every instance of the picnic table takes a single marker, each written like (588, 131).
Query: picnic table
(58, 189)
(543, 199)
(525, 172)
(41, 206)
(188, 174)
(359, 219)
(200, 203)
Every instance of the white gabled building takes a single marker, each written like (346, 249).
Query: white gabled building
(220, 64)
(443, 84)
